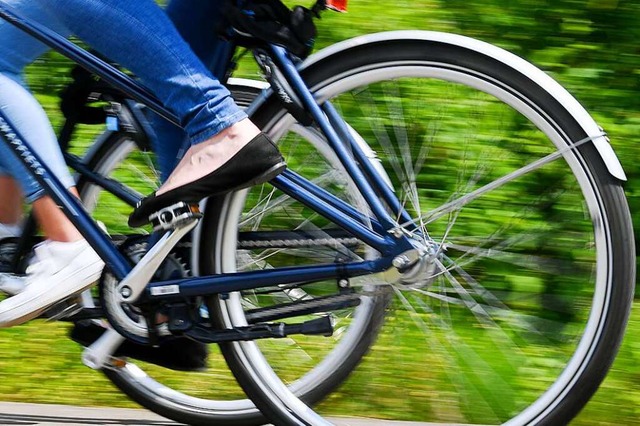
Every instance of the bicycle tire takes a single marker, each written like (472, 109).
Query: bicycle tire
(564, 301)
(327, 367)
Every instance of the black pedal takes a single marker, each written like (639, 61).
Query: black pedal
(179, 318)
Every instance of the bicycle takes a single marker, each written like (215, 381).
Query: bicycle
(543, 269)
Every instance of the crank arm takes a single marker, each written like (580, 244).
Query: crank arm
(132, 286)
(100, 351)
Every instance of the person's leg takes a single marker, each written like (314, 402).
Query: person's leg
(196, 21)
(10, 200)
(53, 222)
(64, 264)
(10, 208)
(27, 114)
(141, 37)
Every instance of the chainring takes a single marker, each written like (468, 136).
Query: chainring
(127, 319)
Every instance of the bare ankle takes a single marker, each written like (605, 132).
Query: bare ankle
(53, 222)
(208, 156)
(242, 131)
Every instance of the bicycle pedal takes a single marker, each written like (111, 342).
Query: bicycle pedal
(63, 309)
(100, 352)
(174, 216)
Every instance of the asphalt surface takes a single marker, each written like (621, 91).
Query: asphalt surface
(49, 415)
(43, 414)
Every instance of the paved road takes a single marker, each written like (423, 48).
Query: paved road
(50, 415)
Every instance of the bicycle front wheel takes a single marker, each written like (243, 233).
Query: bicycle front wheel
(501, 170)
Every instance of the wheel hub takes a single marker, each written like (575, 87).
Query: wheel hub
(416, 268)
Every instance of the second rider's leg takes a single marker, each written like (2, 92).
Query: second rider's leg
(64, 263)
(17, 50)
(10, 206)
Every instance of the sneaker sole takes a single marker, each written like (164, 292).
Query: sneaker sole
(19, 314)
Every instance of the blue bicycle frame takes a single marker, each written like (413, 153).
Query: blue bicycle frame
(376, 192)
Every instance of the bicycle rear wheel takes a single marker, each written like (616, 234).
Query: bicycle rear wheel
(503, 171)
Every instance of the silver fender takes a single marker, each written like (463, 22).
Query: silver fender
(600, 140)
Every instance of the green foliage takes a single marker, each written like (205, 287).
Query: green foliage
(589, 46)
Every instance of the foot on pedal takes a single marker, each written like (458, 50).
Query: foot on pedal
(59, 270)
(173, 216)
(257, 162)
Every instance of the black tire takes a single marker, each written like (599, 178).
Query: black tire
(561, 285)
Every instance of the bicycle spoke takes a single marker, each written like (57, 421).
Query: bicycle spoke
(466, 199)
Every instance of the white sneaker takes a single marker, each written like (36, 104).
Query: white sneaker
(57, 271)
(12, 284)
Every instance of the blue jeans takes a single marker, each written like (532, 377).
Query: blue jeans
(195, 20)
(140, 36)
(21, 109)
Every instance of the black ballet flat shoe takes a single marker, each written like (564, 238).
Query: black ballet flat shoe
(258, 162)
(175, 353)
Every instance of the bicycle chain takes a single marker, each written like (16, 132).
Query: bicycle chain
(313, 303)
(295, 305)
(329, 242)
(381, 290)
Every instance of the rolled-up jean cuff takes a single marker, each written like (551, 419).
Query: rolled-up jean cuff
(39, 193)
(217, 127)
(33, 196)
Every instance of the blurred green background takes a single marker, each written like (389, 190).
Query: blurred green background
(590, 47)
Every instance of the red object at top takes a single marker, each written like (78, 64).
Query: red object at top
(339, 5)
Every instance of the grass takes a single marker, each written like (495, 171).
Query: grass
(40, 365)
